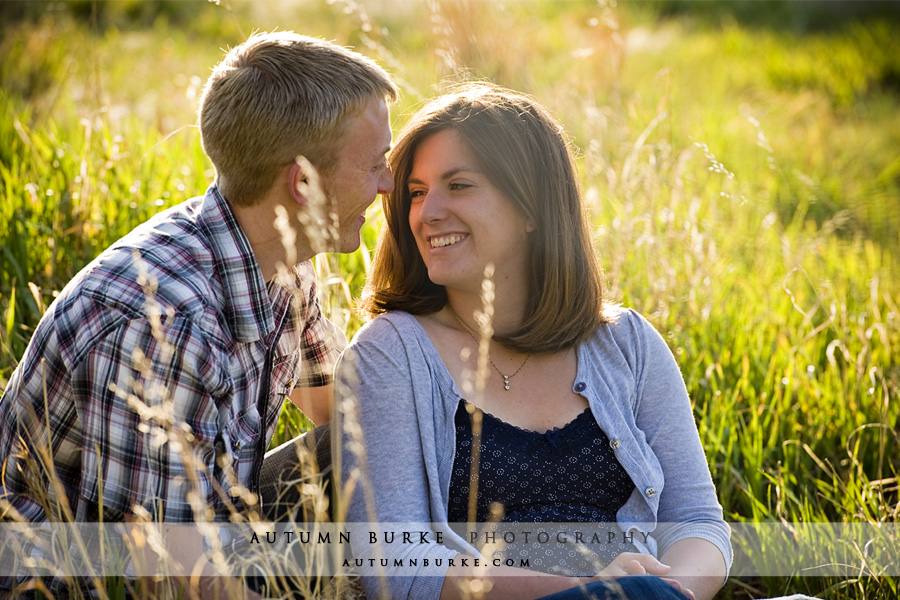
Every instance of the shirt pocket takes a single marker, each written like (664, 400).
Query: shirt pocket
(242, 433)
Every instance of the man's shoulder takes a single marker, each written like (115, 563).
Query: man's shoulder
(169, 258)
(166, 264)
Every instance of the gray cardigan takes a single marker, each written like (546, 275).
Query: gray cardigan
(407, 403)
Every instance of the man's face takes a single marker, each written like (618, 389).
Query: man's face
(360, 172)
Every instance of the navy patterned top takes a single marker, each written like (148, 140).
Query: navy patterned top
(565, 475)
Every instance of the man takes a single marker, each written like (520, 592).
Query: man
(156, 378)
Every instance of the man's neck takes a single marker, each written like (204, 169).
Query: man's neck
(272, 248)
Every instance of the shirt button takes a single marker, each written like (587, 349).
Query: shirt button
(650, 492)
(291, 384)
(614, 443)
(580, 386)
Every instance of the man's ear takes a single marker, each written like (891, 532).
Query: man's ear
(296, 181)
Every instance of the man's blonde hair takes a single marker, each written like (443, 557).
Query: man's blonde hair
(280, 95)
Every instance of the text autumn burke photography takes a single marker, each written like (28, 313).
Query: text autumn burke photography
(475, 537)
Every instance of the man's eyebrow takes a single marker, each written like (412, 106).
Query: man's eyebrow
(380, 157)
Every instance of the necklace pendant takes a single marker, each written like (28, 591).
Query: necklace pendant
(506, 382)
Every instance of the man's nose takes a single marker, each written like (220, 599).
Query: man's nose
(386, 183)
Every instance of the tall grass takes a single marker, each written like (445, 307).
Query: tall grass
(745, 186)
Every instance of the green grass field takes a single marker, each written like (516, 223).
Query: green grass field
(743, 177)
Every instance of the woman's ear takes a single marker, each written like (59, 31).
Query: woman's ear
(296, 182)
(529, 226)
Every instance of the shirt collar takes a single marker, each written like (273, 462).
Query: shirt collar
(246, 303)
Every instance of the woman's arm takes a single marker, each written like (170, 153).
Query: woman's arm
(697, 565)
(382, 450)
(692, 534)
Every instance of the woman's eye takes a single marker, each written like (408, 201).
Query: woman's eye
(460, 186)
(416, 193)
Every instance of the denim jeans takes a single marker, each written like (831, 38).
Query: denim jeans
(638, 587)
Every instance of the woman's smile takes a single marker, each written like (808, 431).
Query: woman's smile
(447, 240)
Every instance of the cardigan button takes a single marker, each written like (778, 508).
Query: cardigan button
(580, 386)
(650, 492)
(614, 443)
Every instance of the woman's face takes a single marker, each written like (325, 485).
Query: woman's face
(460, 221)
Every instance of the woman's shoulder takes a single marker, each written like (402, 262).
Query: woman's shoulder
(627, 336)
(625, 326)
(394, 327)
(396, 340)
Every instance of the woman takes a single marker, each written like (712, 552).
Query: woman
(581, 414)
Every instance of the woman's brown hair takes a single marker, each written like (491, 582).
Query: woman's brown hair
(525, 154)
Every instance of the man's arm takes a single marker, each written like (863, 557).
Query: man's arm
(315, 402)
(149, 419)
(191, 573)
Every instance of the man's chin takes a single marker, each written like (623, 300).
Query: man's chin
(350, 245)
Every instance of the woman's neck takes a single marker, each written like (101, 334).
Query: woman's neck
(507, 311)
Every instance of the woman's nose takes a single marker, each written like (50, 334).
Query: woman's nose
(433, 207)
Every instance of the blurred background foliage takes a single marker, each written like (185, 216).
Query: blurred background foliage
(740, 159)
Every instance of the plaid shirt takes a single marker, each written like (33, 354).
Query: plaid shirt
(161, 370)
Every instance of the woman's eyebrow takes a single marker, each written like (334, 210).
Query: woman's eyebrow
(449, 173)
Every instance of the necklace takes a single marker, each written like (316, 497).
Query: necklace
(505, 377)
